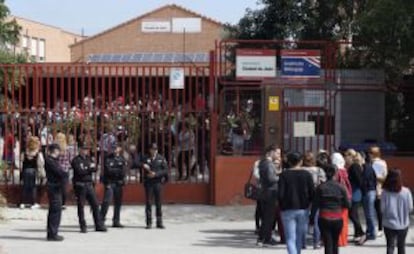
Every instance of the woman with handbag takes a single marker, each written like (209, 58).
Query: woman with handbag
(354, 163)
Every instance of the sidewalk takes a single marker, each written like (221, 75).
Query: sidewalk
(190, 229)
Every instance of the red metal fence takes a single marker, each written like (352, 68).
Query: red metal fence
(134, 103)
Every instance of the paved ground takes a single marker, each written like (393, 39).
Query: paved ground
(190, 229)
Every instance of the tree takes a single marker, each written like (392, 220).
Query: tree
(9, 36)
(9, 29)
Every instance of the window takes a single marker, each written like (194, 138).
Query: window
(42, 48)
(25, 42)
(33, 47)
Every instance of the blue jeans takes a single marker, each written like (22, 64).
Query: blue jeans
(369, 211)
(316, 230)
(294, 222)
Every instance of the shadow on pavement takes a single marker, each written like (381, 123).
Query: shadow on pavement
(22, 238)
(243, 239)
(44, 230)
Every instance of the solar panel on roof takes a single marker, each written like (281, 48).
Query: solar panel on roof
(126, 57)
(168, 57)
(116, 58)
(106, 58)
(146, 57)
(199, 58)
(136, 58)
(158, 58)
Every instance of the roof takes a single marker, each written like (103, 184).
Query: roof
(148, 14)
(43, 24)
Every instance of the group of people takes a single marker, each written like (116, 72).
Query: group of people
(58, 161)
(298, 192)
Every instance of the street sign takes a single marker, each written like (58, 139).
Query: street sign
(301, 63)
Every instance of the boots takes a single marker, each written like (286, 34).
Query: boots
(160, 225)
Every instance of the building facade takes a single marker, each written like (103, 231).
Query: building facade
(44, 43)
(169, 29)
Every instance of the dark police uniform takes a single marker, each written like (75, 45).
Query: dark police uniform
(55, 177)
(159, 166)
(114, 180)
(83, 167)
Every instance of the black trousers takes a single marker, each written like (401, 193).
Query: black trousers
(330, 231)
(153, 194)
(184, 158)
(379, 213)
(54, 193)
(258, 214)
(112, 191)
(86, 192)
(29, 186)
(64, 191)
(354, 216)
(393, 236)
(268, 216)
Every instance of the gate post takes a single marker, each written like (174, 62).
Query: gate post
(213, 125)
(273, 116)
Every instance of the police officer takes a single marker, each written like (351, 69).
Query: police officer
(155, 171)
(83, 167)
(113, 180)
(55, 177)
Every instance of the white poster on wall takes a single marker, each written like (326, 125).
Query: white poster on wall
(156, 26)
(304, 129)
(187, 25)
(177, 77)
(254, 64)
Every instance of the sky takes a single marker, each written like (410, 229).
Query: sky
(94, 16)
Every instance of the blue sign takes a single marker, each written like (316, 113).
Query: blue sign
(301, 63)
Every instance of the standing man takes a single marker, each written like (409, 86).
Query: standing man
(114, 180)
(83, 167)
(269, 184)
(296, 191)
(55, 178)
(155, 170)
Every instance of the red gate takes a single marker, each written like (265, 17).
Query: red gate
(135, 103)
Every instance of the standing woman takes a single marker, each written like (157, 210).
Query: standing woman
(65, 158)
(342, 177)
(330, 199)
(185, 145)
(354, 163)
(32, 168)
(396, 205)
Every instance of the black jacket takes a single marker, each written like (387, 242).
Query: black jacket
(54, 172)
(355, 176)
(330, 196)
(369, 179)
(158, 165)
(296, 189)
(83, 167)
(268, 180)
(114, 169)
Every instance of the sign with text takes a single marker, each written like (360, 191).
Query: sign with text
(154, 26)
(177, 78)
(301, 63)
(304, 129)
(255, 64)
(274, 103)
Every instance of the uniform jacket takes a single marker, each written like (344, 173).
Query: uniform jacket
(54, 171)
(158, 165)
(83, 167)
(114, 169)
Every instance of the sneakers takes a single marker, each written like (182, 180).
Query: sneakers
(22, 206)
(35, 206)
(84, 230)
(380, 233)
(149, 226)
(56, 238)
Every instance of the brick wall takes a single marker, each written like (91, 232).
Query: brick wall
(128, 37)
